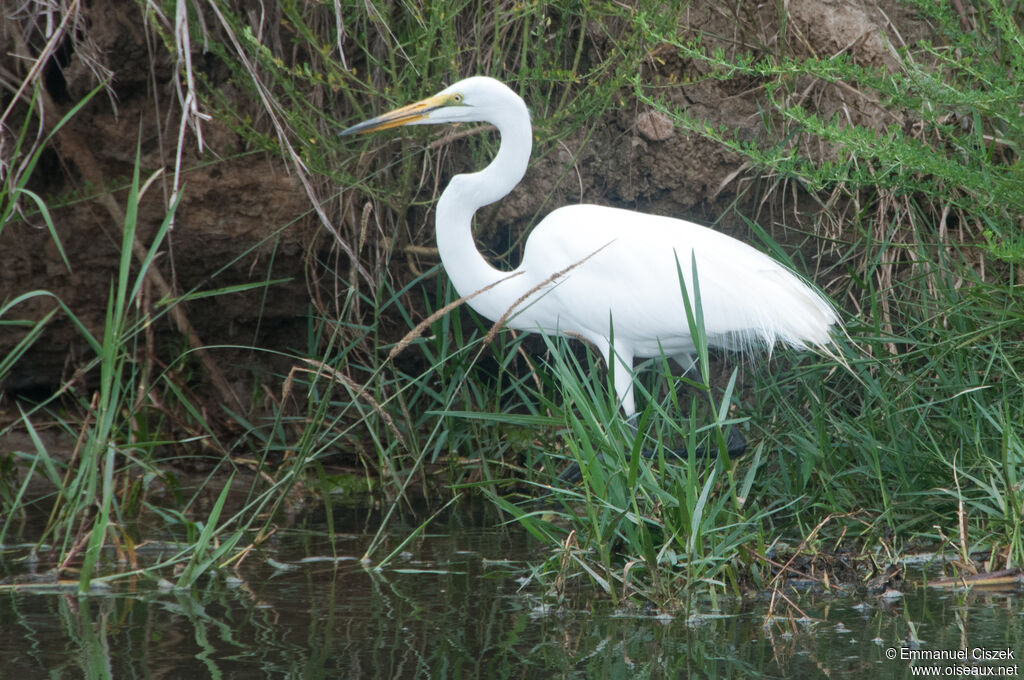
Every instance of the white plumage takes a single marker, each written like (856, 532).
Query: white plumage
(622, 264)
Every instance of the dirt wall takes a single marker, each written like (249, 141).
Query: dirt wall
(244, 214)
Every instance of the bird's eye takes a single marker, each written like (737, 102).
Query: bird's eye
(457, 97)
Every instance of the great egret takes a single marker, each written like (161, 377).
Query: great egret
(619, 268)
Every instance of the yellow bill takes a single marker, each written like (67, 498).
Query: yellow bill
(402, 116)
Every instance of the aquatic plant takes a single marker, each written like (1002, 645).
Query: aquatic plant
(912, 229)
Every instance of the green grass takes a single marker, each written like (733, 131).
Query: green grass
(906, 437)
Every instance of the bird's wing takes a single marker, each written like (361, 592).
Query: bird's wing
(626, 270)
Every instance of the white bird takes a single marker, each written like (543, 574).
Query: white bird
(622, 278)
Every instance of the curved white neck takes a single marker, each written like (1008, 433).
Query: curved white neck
(465, 194)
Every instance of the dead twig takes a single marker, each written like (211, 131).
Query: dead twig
(320, 368)
(422, 325)
(522, 298)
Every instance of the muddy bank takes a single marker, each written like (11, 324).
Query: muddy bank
(245, 216)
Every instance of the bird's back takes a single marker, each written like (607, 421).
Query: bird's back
(627, 275)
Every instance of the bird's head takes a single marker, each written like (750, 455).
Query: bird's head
(473, 99)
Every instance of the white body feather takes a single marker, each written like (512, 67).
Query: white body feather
(623, 263)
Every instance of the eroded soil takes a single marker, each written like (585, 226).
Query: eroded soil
(245, 216)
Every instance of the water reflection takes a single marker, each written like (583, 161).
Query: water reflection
(453, 606)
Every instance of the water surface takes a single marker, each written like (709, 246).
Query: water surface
(458, 602)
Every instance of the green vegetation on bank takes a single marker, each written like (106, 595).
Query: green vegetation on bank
(907, 437)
